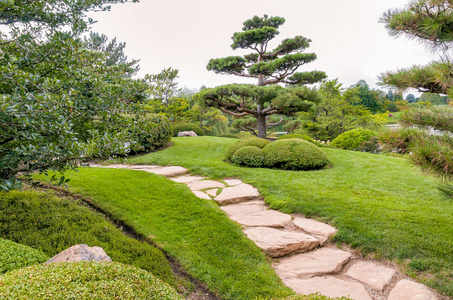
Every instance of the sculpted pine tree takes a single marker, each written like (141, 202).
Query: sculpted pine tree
(269, 67)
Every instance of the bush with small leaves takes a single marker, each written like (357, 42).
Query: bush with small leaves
(391, 107)
(353, 139)
(257, 142)
(249, 156)
(151, 131)
(297, 136)
(15, 256)
(187, 127)
(294, 154)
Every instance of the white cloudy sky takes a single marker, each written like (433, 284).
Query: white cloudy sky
(350, 42)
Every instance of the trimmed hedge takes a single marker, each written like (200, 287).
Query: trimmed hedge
(187, 127)
(297, 136)
(353, 139)
(15, 256)
(294, 154)
(249, 156)
(257, 142)
(84, 280)
(151, 131)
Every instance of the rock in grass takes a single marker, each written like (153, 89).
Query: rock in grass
(81, 253)
(187, 133)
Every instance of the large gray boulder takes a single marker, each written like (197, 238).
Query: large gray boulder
(81, 253)
(187, 133)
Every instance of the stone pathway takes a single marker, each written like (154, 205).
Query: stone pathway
(302, 256)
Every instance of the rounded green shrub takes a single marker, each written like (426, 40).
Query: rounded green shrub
(84, 280)
(257, 142)
(249, 156)
(151, 131)
(294, 154)
(391, 107)
(177, 128)
(353, 139)
(297, 136)
(15, 256)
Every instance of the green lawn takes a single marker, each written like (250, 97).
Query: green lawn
(382, 205)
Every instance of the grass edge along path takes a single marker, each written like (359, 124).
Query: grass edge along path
(197, 233)
(381, 205)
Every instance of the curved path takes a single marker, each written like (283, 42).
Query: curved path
(299, 247)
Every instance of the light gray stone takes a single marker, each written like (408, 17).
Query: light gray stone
(329, 286)
(168, 171)
(212, 192)
(316, 263)
(81, 253)
(374, 275)
(232, 182)
(237, 194)
(410, 290)
(186, 179)
(244, 208)
(320, 230)
(204, 184)
(265, 218)
(201, 195)
(187, 133)
(277, 243)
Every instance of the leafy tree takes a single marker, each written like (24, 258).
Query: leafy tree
(411, 98)
(370, 98)
(163, 86)
(435, 99)
(269, 67)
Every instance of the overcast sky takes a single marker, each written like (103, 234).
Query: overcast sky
(184, 34)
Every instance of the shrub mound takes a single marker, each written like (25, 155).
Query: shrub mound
(151, 131)
(297, 136)
(187, 127)
(229, 135)
(84, 280)
(15, 256)
(257, 142)
(294, 154)
(353, 139)
(249, 156)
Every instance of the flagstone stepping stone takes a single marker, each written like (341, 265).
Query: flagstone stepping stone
(237, 194)
(410, 290)
(168, 171)
(265, 218)
(329, 286)
(320, 230)
(201, 195)
(319, 262)
(186, 179)
(204, 184)
(212, 192)
(374, 275)
(277, 243)
(244, 208)
(232, 182)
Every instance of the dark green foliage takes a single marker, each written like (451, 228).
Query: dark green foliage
(187, 127)
(353, 139)
(51, 224)
(369, 98)
(229, 135)
(15, 256)
(249, 156)
(411, 98)
(399, 140)
(294, 154)
(150, 132)
(257, 142)
(297, 136)
(84, 280)
(391, 107)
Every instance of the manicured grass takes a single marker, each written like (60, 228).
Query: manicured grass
(84, 280)
(52, 224)
(15, 256)
(382, 205)
(196, 232)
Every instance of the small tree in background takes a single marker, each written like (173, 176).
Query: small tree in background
(411, 98)
(269, 67)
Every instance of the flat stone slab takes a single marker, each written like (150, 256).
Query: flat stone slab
(212, 192)
(320, 230)
(237, 194)
(319, 262)
(244, 208)
(232, 182)
(277, 243)
(410, 290)
(265, 218)
(329, 286)
(374, 275)
(186, 179)
(204, 184)
(168, 171)
(201, 195)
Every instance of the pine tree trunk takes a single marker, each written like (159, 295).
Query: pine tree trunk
(261, 124)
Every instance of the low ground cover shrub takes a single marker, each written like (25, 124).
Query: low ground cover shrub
(15, 256)
(52, 224)
(353, 139)
(294, 154)
(84, 280)
(257, 142)
(187, 127)
(297, 136)
(249, 156)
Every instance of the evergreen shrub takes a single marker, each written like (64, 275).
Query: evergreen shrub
(249, 156)
(294, 154)
(296, 136)
(177, 128)
(353, 139)
(391, 107)
(257, 142)
(151, 131)
(15, 256)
